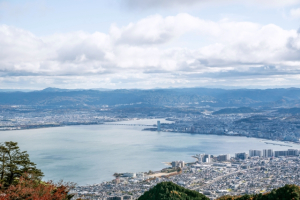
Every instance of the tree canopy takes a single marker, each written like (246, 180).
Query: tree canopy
(20, 179)
(171, 191)
(287, 192)
(14, 163)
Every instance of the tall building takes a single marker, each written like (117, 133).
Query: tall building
(293, 152)
(267, 153)
(281, 153)
(253, 153)
(203, 158)
(206, 158)
(158, 125)
(181, 164)
(289, 152)
(225, 157)
(242, 156)
(178, 164)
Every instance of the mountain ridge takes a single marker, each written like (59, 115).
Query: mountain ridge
(162, 97)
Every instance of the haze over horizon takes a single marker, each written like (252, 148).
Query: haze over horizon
(149, 44)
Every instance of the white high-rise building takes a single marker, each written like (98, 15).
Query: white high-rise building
(267, 153)
(180, 164)
(206, 158)
(253, 153)
(158, 125)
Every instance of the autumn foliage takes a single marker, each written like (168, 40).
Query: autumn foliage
(31, 189)
(20, 179)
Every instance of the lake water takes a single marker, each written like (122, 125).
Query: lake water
(91, 154)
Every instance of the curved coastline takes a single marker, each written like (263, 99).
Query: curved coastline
(96, 152)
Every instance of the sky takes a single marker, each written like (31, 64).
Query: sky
(149, 44)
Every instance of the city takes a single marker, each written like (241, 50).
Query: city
(258, 171)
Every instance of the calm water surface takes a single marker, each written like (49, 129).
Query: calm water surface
(91, 154)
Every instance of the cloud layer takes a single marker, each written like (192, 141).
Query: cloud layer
(145, 54)
(145, 4)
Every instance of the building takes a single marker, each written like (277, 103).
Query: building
(293, 152)
(174, 164)
(242, 156)
(117, 180)
(253, 153)
(180, 164)
(224, 157)
(206, 158)
(140, 175)
(281, 153)
(114, 198)
(126, 197)
(133, 175)
(289, 152)
(158, 125)
(267, 153)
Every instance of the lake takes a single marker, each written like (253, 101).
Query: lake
(91, 154)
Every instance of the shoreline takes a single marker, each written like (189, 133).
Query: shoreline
(230, 135)
(154, 129)
(31, 127)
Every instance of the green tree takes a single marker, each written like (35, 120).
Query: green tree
(171, 191)
(14, 163)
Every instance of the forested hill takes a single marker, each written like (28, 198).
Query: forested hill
(159, 97)
(171, 191)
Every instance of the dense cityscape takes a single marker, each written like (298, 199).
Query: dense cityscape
(258, 171)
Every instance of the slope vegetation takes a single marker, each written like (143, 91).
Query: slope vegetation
(171, 191)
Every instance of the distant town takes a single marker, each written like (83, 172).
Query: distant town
(272, 124)
(256, 171)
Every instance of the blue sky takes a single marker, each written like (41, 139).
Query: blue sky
(149, 43)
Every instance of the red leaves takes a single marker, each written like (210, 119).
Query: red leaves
(29, 189)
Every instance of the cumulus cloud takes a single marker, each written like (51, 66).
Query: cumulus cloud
(144, 4)
(138, 54)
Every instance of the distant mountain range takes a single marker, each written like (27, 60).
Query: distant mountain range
(157, 97)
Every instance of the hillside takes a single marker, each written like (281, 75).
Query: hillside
(288, 192)
(171, 191)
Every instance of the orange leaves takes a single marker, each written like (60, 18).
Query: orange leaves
(29, 189)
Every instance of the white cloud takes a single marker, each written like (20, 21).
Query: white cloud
(138, 55)
(295, 13)
(173, 3)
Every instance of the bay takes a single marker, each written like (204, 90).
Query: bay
(91, 154)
